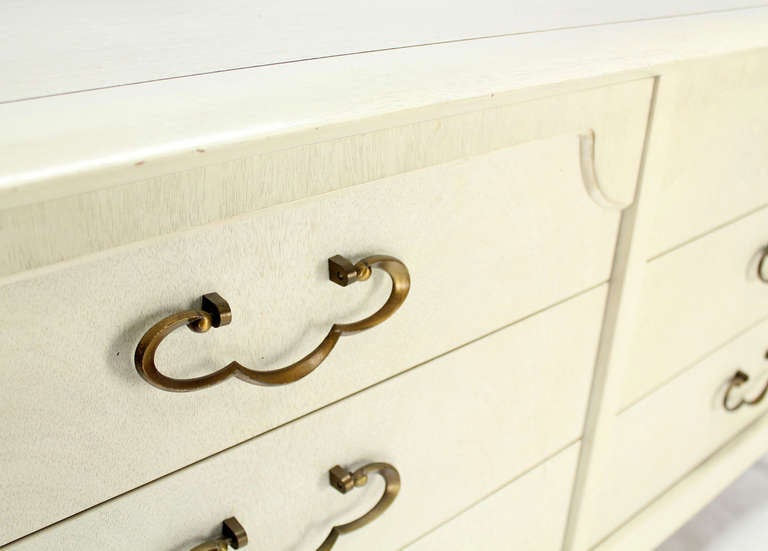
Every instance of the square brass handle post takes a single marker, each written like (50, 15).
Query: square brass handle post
(215, 312)
(738, 379)
(233, 534)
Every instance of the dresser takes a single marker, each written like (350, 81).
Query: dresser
(482, 305)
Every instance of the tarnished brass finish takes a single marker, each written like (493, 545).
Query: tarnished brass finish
(232, 535)
(344, 481)
(215, 312)
(738, 379)
(762, 266)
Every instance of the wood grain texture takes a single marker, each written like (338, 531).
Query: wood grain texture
(707, 151)
(54, 48)
(514, 517)
(492, 231)
(663, 437)
(695, 299)
(54, 150)
(39, 234)
(457, 429)
(477, 235)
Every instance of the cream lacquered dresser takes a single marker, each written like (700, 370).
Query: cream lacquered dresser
(526, 309)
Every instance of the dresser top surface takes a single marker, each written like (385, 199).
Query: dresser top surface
(69, 143)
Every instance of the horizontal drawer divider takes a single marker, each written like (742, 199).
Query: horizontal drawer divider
(712, 230)
(729, 443)
(692, 364)
(494, 492)
(328, 405)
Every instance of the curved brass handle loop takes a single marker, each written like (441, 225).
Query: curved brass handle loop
(738, 379)
(215, 312)
(344, 481)
(762, 267)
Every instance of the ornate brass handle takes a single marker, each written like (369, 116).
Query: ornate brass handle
(737, 380)
(215, 312)
(232, 534)
(344, 481)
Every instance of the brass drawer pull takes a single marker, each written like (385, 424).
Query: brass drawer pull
(345, 481)
(232, 535)
(737, 380)
(215, 312)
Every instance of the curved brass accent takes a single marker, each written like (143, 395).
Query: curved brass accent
(215, 312)
(738, 379)
(762, 267)
(232, 534)
(344, 481)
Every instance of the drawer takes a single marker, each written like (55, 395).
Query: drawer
(707, 149)
(512, 517)
(666, 435)
(457, 428)
(694, 299)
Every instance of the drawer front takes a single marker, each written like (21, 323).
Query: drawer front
(707, 150)
(694, 299)
(488, 240)
(667, 434)
(457, 428)
(513, 517)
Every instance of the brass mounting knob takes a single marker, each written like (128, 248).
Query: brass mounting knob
(215, 312)
(232, 535)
